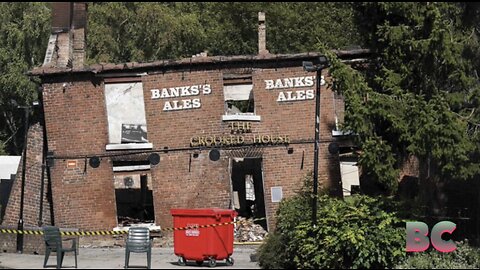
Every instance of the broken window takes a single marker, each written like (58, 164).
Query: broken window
(239, 99)
(338, 109)
(249, 189)
(133, 194)
(126, 113)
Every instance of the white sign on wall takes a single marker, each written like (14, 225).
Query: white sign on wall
(182, 91)
(277, 194)
(294, 82)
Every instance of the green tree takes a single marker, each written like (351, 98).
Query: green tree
(140, 31)
(419, 95)
(123, 32)
(294, 27)
(24, 32)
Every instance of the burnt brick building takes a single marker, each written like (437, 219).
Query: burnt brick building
(128, 142)
(182, 114)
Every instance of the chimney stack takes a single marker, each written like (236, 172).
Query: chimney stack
(66, 46)
(262, 35)
(79, 25)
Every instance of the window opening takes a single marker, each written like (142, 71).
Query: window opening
(239, 99)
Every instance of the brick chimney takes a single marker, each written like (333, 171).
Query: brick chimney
(66, 46)
(79, 28)
(262, 35)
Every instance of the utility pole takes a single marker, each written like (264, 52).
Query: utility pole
(22, 195)
(308, 66)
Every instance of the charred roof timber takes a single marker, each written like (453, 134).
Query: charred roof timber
(356, 55)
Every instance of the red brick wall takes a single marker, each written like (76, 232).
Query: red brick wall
(32, 244)
(31, 209)
(33, 176)
(207, 185)
(77, 126)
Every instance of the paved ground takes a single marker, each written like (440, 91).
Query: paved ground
(108, 258)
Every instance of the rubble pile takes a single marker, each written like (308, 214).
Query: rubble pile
(247, 231)
(126, 221)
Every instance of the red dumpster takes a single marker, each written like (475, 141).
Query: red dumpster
(206, 243)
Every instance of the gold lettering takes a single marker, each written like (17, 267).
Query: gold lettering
(194, 141)
(239, 127)
(265, 138)
(232, 140)
(209, 140)
(217, 142)
(238, 139)
(243, 128)
(225, 141)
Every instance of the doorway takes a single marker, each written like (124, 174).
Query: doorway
(134, 198)
(247, 187)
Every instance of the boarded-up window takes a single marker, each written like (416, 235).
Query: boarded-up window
(126, 113)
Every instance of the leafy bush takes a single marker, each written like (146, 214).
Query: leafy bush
(274, 253)
(355, 233)
(464, 257)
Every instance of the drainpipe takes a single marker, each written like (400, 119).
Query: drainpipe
(44, 155)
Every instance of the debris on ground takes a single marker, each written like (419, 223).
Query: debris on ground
(247, 231)
(126, 221)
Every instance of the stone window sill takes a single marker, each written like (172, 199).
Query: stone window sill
(128, 146)
(241, 117)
